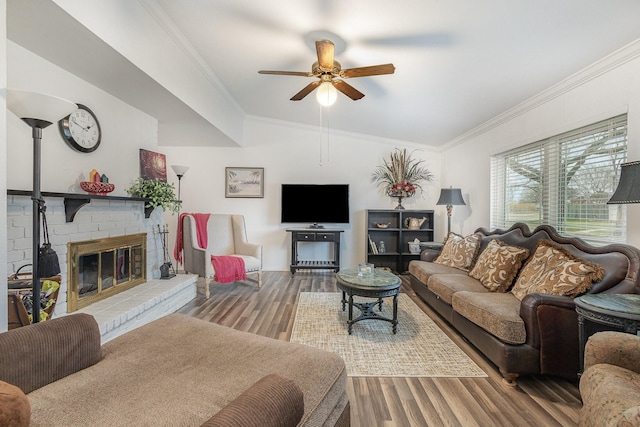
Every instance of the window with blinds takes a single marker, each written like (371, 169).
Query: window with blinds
(564, 181)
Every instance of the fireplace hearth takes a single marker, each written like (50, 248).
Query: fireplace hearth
(98, 269)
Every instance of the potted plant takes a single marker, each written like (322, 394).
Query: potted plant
(401, 175)
(157, 193)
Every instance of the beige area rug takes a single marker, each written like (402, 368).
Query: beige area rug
(419, 349)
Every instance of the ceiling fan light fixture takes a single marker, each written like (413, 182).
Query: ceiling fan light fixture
(326, 94)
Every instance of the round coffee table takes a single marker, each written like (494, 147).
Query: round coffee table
(380, 284)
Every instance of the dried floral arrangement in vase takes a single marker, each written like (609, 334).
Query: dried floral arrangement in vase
(401, 175)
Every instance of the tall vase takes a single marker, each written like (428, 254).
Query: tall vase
(398, 195)
(399, 202)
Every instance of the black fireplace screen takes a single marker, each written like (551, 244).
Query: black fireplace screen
(101, 271)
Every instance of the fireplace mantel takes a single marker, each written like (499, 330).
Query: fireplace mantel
(74, 201)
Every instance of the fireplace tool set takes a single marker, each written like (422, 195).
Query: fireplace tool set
(166, 270)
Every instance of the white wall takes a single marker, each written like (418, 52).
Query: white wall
(124, 131)
(119, 22)
(608, 88)
(3, 163)
(291, 154)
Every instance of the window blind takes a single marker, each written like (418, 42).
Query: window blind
(564, 181)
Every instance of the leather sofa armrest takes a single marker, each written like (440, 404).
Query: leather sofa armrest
(615, 348)
(271, 402)
(429, 255)
(530, 311)
(35, 355)
(551, 323)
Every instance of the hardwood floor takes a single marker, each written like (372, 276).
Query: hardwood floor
(535, 401)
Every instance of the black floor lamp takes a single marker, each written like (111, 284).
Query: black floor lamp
(450, 197)
(180, 171)
(38, 111)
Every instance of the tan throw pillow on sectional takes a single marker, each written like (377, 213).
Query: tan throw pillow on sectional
(554, 270)
(498, 265)
(459, 251)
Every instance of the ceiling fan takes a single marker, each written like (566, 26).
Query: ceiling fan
(329, 71)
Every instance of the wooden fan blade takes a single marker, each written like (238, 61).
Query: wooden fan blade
(306, 91)
(373, 70)
(347, 89)
(325, 50)
(287, 73)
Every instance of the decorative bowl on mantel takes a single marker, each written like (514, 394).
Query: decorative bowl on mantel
(97, 188)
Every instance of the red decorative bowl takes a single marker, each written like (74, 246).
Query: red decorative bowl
(97, 188)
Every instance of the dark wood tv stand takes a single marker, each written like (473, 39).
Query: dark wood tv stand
(315, 235)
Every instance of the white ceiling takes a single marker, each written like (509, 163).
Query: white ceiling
(458, 62)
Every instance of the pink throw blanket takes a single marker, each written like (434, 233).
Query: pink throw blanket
(201, 233)
(228, 268)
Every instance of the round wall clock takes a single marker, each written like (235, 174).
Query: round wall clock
(81, 130)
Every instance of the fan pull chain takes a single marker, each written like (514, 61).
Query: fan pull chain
(322, 134)
(320, 145)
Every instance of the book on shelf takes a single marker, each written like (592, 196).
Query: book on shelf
(372, 244)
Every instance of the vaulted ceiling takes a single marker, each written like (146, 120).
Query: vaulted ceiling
(458, 62)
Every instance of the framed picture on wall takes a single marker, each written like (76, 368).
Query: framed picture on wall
(153, 165)
(243, 182)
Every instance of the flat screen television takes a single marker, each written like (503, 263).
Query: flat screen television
(315, 204)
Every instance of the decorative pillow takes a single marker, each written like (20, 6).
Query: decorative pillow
(15, 410)
(273, 401)
(459, 251)
(498, 265)
(554, 270)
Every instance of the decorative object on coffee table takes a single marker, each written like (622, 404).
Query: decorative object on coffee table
(400, 176)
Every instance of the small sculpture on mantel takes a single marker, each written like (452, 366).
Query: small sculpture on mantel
(97, 184)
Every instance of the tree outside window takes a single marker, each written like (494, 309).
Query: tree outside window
(564, 181)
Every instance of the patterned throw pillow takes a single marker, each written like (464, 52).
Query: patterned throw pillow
(498, 265)
(554, 270)
(459, 251)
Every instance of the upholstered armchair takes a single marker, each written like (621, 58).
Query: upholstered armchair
(610, 384)
(226, 235)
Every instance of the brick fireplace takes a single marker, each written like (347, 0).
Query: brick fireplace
(97, 220)
(104, 220)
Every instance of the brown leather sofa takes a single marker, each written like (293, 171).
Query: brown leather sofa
(548, 343)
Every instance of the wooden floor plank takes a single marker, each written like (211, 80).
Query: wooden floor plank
(377, 401)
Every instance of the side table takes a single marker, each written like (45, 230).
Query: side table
(606, 312)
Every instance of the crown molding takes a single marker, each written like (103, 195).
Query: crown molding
(603, 66)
